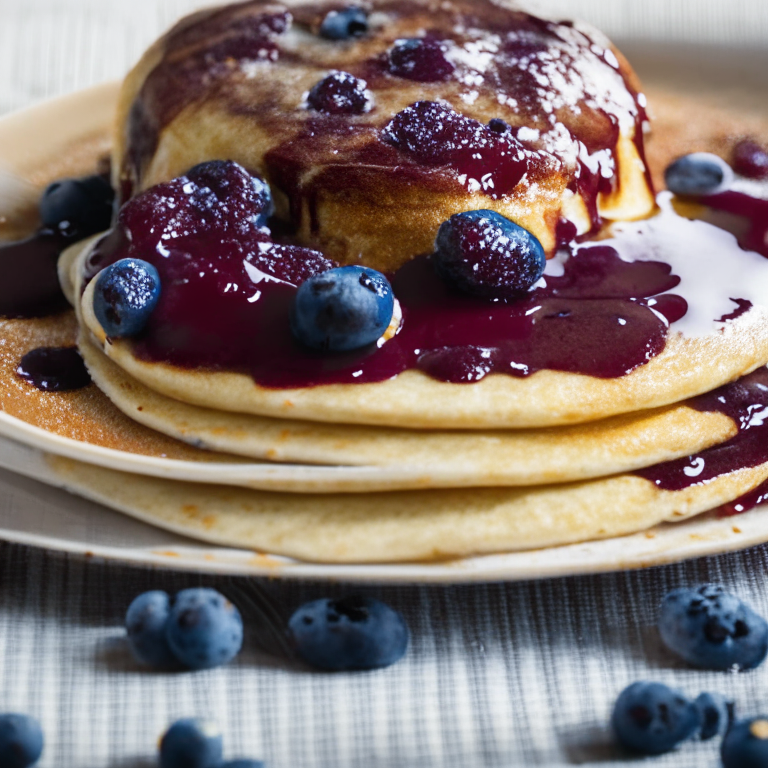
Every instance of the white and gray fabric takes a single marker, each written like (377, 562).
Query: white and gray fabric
(496, 676)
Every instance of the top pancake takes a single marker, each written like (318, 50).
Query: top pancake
(232, 115)
(231, 84)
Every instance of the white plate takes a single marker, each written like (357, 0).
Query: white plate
(38, 512)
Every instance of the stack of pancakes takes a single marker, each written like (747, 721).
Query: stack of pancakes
(413, 468)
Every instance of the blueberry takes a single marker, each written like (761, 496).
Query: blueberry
(497, 125)
(698, 174)
(145, 623)
(485, 254)
(341, 25)
(710, 628)
(746, 744)
(652, 719)
(342, 309)
(420, 58)
(21, 741)
(354, 633)
(339, 94)
(191, 743)
(715, 714)
(222, 183)
(204, 629)
(78, 208)
(242, 764)
(125, 295)
(750, 159)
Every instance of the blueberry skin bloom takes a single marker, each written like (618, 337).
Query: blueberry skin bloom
(344, 24)
(78, 208)
(698, 174)
(21, 741)
(191, 743)
(204, 629)
(712, 629)
(125, 295)
(351, 634)
(746, 744)
(651, 718)
(342, 309)
(146, 622)
(487, 255)
(714, 713)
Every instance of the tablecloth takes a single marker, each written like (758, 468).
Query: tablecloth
(498, 675)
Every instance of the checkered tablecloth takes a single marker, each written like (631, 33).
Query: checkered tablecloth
(500, 675)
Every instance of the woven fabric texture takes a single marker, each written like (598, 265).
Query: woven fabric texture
(496, 676)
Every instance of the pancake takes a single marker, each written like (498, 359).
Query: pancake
(232, 83)
(404, 526)
(446, 459)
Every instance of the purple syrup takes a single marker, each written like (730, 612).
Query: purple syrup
(434, 134)
(744, 401)
(29, 282)
(746, 502)
(421, 59)
(228, 290)
(54, 369)
(750, 159)
(751, 208)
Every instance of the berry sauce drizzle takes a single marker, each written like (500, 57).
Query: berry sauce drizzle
(230, 288)
(753, 209)
(54, 369)
(29, 283)
(746, 402)
(746, 502)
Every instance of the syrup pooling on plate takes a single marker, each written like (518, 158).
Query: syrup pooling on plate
(746, 402)
(54, 369)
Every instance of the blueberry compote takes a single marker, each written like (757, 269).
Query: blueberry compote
(227, 290)
(435, 134)
(746, 402)
(422, 59)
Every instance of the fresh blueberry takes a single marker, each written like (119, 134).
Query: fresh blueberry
(746, 744)
(750, 159)
(125, 295)
(710, 628)
(78, 208)
(21, 741)
(191, 743)
(354, 633)
(698, 174)
(339, 94)
(715, 714)
(485, 254)
(204, 629)
(342, 309)
(242, 764)
(497, 125)
(222, 183)
(145, 623)
(341, 25)
(652, 719)
(420, 58)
